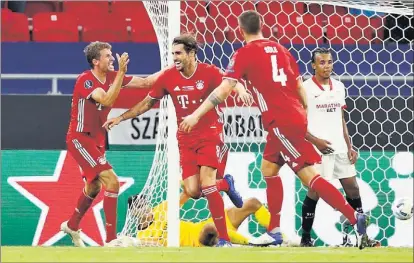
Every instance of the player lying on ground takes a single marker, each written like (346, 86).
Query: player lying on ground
(201, 152)
(152, 224)
(327, 130)
(274, 74)
(94, 94)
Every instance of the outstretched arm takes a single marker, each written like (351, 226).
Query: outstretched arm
(147, 82)
(140, 108)
(215, 98)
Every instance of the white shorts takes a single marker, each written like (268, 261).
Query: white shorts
(335, 166)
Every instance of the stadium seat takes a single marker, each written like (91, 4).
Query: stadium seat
(85, 8)
(55, 27)
(193, 13)
(136, 19)
(110, 28)
(276, 7)
(345, 29)
(300, 29)
(142, 30)
(225, 15)
(35, 7)
(128, 9)
(193, 10)
(14, 26)
(330, 9)
(377, 24)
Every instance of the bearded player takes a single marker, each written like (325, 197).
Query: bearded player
(274, 74)
(327, 130)
(202, 150)
(94, 94)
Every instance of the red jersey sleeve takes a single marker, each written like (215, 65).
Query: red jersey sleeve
(125, 81)
(85, 85)
(237, 66)
(158, 88)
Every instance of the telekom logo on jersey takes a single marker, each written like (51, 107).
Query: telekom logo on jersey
(183, 100)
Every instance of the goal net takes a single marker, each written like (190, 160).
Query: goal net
(373, 56)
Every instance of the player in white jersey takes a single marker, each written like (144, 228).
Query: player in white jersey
(327, 130)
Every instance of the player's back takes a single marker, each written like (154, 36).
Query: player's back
(273, 72)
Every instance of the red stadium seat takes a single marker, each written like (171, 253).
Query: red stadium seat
(142, 30)
(305, 29)
(35, 7)
(109, 28)
(377, 24)
(192, 14)
(193, 10)
(344, 29)
(83, 8)
(14, 26)
(330, 9)
(137, 19)
(276, 7)
(55, 27)
(128, 9)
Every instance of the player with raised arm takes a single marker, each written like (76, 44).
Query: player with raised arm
(327, 130)
(94, 94)
(274, 74)
(189, 83)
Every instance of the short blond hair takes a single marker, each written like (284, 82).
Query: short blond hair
(93, 51)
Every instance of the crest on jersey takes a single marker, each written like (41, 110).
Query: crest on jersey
(199, 84)
(88, 84)
(102, 160)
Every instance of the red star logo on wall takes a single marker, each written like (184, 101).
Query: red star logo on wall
(57, 197)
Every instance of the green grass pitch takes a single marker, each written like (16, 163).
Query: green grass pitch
(239, 254)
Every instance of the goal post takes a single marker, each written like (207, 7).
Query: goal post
(375, 66)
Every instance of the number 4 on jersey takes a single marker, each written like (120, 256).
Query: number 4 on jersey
(278, 74)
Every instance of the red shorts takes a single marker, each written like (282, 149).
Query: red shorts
(210, 151)
(287, 145)
(89, 156)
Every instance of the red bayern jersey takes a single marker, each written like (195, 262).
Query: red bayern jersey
(87, 115)
(273, 73)
(188, 93)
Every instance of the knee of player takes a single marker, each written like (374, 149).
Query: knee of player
(208, 235)
(193, 192)
(253, 203)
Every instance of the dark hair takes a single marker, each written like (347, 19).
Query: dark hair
(319, 50)
(93, 51)
(189, 42)
(250, 21)
(208, 236)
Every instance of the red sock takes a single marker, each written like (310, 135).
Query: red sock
(333, 197)
(84, 202)
(222, 185)
(110, 206)
(216, 207)
(274, 193)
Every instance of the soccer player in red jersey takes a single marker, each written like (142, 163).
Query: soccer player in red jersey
(274, 73)
(202, 151)
(94, 94)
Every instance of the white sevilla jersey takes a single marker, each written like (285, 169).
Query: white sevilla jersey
(325, 103)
